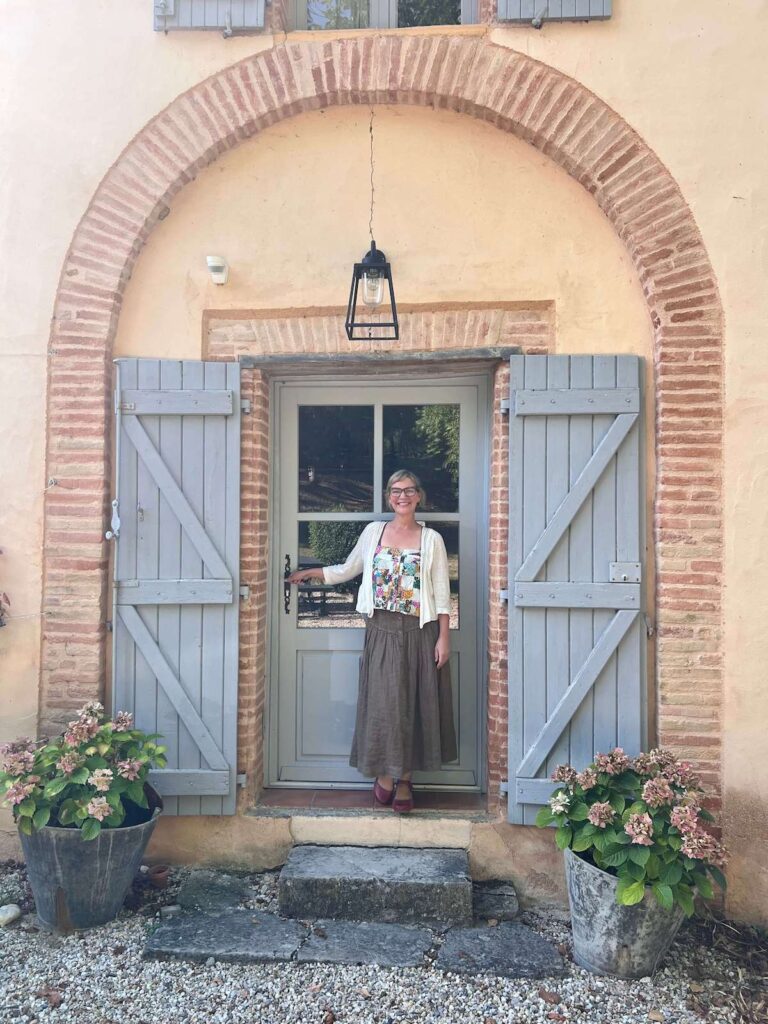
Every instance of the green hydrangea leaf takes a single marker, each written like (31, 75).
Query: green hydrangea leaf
(615, 856)
(563, 837)
(25, 826)
(579, 812)
(671, 874)
(40, 817)
(631, 895)
(663, 894)
(544, 817)
(582, 842)
(717, 874)
(639, 854)
(684, 897)
(54, 787)
(91, 829)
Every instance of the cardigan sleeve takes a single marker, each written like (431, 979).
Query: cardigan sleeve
(441, 584)
(353, 566)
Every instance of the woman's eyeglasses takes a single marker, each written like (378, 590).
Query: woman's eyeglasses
(396, 492)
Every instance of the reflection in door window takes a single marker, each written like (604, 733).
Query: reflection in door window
(335, 458)
(337, 14)
(425, 438)
(320, 605)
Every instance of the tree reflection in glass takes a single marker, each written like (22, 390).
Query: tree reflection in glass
(425, 438)
(329, 14)
(336, 458)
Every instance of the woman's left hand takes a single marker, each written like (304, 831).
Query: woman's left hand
(442, 651)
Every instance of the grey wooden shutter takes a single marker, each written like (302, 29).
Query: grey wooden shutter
(175, 629)
(229, 16)
(576, 630)
(554, 10)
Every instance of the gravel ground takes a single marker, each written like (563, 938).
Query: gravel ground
(714, 973)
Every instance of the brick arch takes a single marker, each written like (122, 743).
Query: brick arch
(538, 104)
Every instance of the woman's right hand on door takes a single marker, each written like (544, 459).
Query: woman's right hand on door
(300, 575)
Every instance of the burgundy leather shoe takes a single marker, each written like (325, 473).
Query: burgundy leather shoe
(400, 806)
(383, 796)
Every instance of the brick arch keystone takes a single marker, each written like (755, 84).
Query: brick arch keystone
(469, 75)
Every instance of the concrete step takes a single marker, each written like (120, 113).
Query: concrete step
(377, 884)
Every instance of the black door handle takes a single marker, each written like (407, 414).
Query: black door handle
(287, 586)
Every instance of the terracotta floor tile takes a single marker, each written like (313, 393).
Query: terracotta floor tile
(343, 798)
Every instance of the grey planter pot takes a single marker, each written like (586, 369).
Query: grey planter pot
(629, 942)
(78, 884)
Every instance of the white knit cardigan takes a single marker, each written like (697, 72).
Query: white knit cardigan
(435, 584)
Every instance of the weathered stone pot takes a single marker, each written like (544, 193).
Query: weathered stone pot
(629, 942)
(80, 884)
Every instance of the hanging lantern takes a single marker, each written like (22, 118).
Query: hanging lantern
(372, 313)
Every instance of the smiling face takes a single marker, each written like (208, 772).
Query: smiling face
(401, 502)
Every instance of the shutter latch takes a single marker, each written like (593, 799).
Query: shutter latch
(503, 597)
(114, 533)
(625, 572)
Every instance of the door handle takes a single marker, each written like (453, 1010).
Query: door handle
(287, 585)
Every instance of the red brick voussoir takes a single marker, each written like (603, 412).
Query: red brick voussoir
(469, 75)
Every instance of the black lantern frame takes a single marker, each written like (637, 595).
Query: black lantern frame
(359, 327)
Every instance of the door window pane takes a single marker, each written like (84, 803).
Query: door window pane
(450, 534)
(412, 13)
(320, 605)
(425, 439)
(337, 13)
(336, 458)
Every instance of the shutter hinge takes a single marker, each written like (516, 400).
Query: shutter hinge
(242, 780)
(245, 592)
(504, 407)
(245, 406)
(108, 625)
(503, 597)
(650, 626)
(114, 533)
(504, 787)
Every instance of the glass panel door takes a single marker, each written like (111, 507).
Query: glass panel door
(336, 446)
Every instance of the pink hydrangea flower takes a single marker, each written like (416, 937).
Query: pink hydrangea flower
(685, 817)
(101, 778)
(123, 721)
(613, 763)
(587, 779)
(99, 808)
(93, 709)
(658, 792)
(18, 762)
(129, 769)
(80, 731)
(639, 828)
(644, 764)
(601, 814)
(69, 763)
(565, 774)
(20, 790)
(701, 845)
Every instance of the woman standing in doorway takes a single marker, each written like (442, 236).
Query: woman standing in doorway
(404, 717)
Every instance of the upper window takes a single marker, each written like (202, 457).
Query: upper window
(340, 14)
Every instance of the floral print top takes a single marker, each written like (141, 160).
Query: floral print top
(397, 580)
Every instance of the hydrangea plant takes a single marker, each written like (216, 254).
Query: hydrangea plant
(85, 779)
(640, 819)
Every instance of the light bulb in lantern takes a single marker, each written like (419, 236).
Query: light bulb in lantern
(373, 288)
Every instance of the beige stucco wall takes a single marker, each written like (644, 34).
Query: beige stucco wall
(78, 80)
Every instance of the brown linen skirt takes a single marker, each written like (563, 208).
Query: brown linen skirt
(404, 708)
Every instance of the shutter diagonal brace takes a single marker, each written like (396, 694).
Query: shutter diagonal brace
(175, 498)
(576, 497)
(173, 688)
(576, 692)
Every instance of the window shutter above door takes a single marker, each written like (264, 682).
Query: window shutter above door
(175, 634)
(576, 636)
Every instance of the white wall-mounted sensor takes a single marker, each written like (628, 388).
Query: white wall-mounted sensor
(218, 268)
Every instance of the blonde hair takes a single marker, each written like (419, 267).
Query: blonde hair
(406, 474)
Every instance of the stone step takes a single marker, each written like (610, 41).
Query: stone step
(238, 935)
(377, 884)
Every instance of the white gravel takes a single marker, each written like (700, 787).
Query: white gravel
(99, 977)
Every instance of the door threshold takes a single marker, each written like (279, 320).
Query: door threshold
(278, 802)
